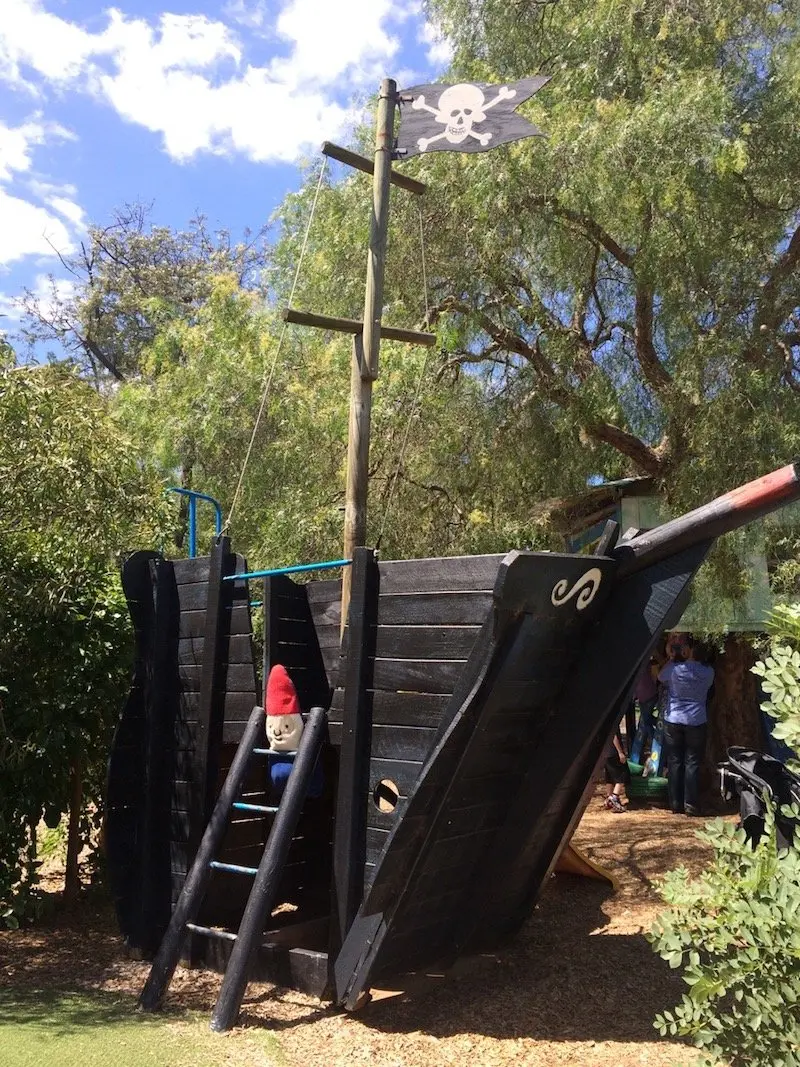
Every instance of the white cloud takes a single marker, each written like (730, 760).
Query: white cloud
(69, 210)
(186, 77)
(253, 15)
(36, 218)
(439, 51)
(30, 36)
(29, 230)
(328, 39)
(17, 143)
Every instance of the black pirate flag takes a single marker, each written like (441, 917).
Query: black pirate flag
(469, 117)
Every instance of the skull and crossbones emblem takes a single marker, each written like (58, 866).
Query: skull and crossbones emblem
(460, 107)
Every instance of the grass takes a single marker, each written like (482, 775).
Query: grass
(103, 1030)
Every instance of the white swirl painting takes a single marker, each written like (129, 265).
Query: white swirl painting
(584, 589)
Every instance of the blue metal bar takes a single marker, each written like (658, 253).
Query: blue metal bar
(194, 496)
(241, 806)
(274, 752)
(234, 868)
(209, 931)
(296, 569)
(192, 527)
(256, 603)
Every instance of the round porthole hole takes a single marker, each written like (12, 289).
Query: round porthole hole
(386, 795)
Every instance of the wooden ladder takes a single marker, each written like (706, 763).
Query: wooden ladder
(267, 875)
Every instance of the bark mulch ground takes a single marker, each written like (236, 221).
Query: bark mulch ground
(580, 985)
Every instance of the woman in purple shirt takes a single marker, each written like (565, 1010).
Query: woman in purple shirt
(687, 682)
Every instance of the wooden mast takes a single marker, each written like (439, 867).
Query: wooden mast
(366, 348)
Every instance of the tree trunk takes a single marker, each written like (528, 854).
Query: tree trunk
(72, 881)
(733, 713)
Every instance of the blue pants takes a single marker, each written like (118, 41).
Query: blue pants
(685, 748)
(644, 731)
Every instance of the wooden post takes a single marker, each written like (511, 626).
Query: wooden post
(209, 713)
(349, 839)
(365, 363)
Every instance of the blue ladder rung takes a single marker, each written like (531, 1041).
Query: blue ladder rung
(208, 931)
(233, 868)
(273, 752)
(240, 806)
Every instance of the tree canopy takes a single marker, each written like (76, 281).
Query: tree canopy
(629, 282)
(128, 280)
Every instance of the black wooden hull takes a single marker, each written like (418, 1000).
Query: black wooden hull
(496, 798)
(478, 692)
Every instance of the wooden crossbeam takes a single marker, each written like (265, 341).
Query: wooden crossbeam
(353, 159)
(355, 327)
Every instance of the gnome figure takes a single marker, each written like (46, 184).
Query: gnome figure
(284, 730)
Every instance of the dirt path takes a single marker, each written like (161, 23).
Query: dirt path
(580, 985)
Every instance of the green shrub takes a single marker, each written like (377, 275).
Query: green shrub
(74, 496)
(735, 931)
(780, 672)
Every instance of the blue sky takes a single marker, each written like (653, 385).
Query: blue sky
(194, 106)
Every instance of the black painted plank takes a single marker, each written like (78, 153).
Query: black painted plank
(249, 834)
(394, 742)
(327, 591)
(291, 632)
(193, 597)
(376, 840)
(417, 676)
(125, 801)
(238, 677)
(425, 642)
(294, 968)
(403, 773)
(188, 571)
(303, 656)
(401, 709)
(161, 707)
(325, 601)
(328, 634)
(354, 762)
(237, 706)
(237, 621)
(433, 609)
(187, 733)
(451, 573)
(210, 712)
(239, 650)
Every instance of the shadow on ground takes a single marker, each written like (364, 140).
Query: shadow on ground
(559, 980)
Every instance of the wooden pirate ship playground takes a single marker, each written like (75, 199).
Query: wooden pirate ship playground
(457, 707)
(462, 718)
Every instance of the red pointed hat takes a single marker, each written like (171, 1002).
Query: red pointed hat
(281, 694)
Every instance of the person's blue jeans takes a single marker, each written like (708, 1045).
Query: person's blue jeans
(685, 748)
(645, 730)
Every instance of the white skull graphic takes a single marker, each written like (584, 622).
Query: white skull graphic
(460, 106)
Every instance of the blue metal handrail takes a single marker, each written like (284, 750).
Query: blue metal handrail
(194, 496)
(296, 569)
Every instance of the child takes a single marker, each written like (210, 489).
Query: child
(618, 775)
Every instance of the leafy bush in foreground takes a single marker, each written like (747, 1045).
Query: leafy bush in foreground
(735, 931)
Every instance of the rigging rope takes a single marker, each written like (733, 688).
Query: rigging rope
(418, 389)
(268, 377)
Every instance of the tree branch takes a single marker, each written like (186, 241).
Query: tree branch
(646, 459)
(588, 225)
(652, 368)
